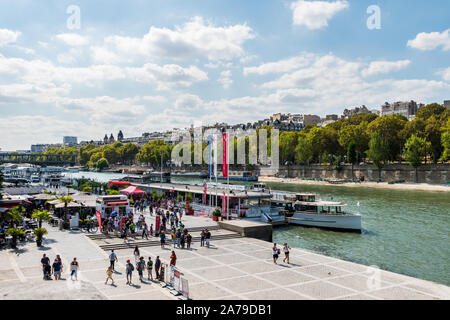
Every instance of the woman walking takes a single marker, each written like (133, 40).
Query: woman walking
(109, 273)
(275, 253)
(173, 259)
(286, 252)
(136, 254)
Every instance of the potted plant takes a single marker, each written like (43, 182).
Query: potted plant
(216, 214)
(41, 216)
(39, 232)
(14, 233)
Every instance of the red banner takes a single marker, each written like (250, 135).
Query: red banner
(187, 207)
(99, 219)
(204, 194)
(225, 154)
(224, 205)
(157, 223)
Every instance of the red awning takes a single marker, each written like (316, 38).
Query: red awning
(118, 183)
(133, 191)
(117, 203)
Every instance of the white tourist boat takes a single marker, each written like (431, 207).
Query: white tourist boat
(323, 214)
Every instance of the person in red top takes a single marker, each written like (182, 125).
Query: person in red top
(173, 259)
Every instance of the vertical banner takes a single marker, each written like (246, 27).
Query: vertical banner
(224, 204)
(157, 222)
(99, 219)
(187, 207)
(225, 155)
(184, 288)
(204, 193)
(214, 141)
(209, 156)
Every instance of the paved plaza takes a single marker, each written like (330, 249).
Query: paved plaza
(236, 269)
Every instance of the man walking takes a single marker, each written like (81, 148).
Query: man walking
(144, 230)
(149, 268)
(157, 266)
(56, 269)
(140, 268)
(112, 259)
(207, 237)
(202, 238)
(129, 268)
(44, 261)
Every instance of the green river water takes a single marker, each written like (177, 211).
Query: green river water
(405, 232)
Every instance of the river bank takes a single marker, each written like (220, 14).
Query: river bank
(380, 185)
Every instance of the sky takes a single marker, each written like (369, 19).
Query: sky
(86, 68)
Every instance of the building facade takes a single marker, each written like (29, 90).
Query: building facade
(407, 109)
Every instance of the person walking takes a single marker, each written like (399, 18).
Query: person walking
(157, 266)
(112, 259)
(150, 268)
(173, 259)
(286, 252)
(174, 237)
(129, 268)
(144, 230)
(44, 261)
(162, 236)
(56, 269)
(207, 238)
(136, 254)
(140, 268)
(275, 253)
(183, 241)
(202, 238)
(109, 273)
(188, 240)
(74, 266)
(178, 238)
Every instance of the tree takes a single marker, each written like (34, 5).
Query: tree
(14, 233)
(378, 152)
(389, 128)
(66, 200)
(102, 164)
(288, 143)
(128, 152)
(303, 150)
(85, 154)
(446, 145)
(94, 158)
(41, 215)
(16, 214)
(415, 151)
(433, 134)
(429, 110)
(111, 154)
(351, 155)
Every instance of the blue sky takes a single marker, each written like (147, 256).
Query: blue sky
(142, 66)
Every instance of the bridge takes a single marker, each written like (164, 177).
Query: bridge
(40, 158)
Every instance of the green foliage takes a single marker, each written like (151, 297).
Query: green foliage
(40, 232)
(16, 214)
(303, 150)
(446, 145)
(41, 215)
(351, 153)
(378, 150)
(112, 192)
(217, 212)
(415, 150)
(15, 232)
(189, 197)
(389, 129)
(152, 152)
(102, 164)
(433, 109)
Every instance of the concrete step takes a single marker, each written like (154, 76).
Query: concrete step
(151, 243)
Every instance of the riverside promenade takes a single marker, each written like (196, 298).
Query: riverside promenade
(234, 267)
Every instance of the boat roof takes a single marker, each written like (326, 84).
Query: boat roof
(199, 189)
(321, 203)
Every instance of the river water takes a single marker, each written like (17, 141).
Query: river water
(405, 232)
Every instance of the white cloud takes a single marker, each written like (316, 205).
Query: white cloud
(281, 66)
(73, 39)
(8, 36)
(315, 14)
(167, 75)
(188, 102)
(445, 74)
(194, 39)
(102, 55)
(383, 67)
(430, 41)
(225, 79)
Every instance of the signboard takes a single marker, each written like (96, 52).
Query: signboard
(184, 288)
(176, 279)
